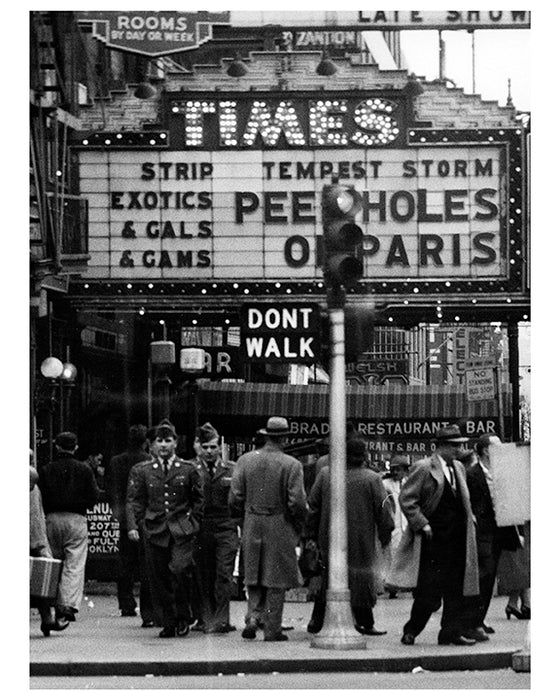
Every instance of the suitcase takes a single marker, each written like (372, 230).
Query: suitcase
(44, 575)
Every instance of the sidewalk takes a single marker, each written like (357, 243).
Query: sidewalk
(101, 642)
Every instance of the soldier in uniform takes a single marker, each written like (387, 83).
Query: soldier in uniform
(218, 537)
(166, 500)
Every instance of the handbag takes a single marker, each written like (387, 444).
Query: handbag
(309, 561)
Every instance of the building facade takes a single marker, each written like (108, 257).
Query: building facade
(173, 191)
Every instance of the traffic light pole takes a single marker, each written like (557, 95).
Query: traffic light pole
(338, 631)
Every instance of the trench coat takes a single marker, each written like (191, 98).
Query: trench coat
(419, 498)
(267, 491)
(370, 522)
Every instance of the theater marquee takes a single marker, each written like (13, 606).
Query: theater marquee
(438, 205)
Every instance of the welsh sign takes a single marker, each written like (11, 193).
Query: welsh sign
(376, 370)
(280, 333)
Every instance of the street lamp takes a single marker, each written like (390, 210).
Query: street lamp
(193, 362)
(61, 377)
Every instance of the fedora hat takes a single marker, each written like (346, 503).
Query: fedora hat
(399, 461)
(450, 434)
(276, 426)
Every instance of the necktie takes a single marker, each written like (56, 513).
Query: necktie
(452, 476)
(211, 469)
(166, 467)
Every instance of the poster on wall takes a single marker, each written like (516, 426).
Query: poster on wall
(510, 469)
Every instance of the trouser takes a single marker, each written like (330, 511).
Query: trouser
(218, 544)
(132, 567)
(488, 556)
(363, 615)
(440, 578)
(169, 572)
(266, 605)
(68, 539)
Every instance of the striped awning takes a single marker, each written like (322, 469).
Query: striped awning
(384, 401)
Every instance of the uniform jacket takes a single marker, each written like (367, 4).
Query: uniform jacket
(370, 522)
(216, 489)
(267, 489)
(169, 506)
(116, 480)
(420, 496)
(67, 486)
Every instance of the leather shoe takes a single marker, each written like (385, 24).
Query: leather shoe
(488, 629)
(459, 641)
(128, 613)
(478, 634)
(65, 614)
(279, 637)
(148, 623)
(370, 631)
(53, 626)
(167, 632)
(407, 638)
(182, 628)
(222, 628)
(250, 631)
(314, 627)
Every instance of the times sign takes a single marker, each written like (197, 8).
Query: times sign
(238, 198)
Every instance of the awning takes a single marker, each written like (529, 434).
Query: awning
(383, 401)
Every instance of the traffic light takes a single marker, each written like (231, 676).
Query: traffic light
(342, 237)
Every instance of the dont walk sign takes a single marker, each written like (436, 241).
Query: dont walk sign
(280, 333)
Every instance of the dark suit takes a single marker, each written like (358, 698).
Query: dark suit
(131, 555)
(218, 542)
(447, 564)
(170, 508)
(487, 542)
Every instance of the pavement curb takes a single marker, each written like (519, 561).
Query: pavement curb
(468, 662)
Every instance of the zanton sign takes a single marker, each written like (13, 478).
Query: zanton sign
(280, 333)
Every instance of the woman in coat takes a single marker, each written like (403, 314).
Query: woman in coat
(370, 523)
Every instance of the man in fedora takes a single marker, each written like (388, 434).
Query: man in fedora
(165, 499)
(267, 491)
(437, 555)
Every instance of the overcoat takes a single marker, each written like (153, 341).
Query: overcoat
(370, 522)
(419, 498)
(169, 506)
(267, 490)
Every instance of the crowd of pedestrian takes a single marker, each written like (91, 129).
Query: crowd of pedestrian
(429, 528)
